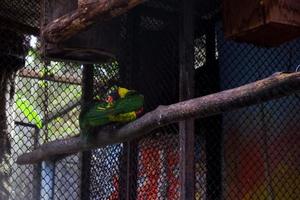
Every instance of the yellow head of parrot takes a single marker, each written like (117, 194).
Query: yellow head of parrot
(122, 92)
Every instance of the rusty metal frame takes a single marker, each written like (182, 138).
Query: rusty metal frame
(186, 91)
(87, 96)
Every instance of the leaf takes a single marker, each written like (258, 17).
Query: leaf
(28, 110)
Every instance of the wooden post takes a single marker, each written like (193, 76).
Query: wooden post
(87, 96)
(186, 90)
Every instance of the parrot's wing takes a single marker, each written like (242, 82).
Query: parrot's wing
(96, 115)
(129, 104)
(100, 113)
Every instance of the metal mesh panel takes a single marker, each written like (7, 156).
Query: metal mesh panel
(47, 98)
(252, 153)
(24, 12)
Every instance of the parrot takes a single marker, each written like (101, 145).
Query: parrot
(121, 106)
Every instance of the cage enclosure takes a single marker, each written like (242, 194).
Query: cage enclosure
(98, 44)
(169, 51)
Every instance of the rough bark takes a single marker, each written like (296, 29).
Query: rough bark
(273, 87)
(86, 2)
(68, 25)
(6, 97)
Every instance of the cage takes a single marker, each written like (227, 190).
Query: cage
(250, 153)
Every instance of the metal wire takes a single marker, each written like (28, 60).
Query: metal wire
(252, 153)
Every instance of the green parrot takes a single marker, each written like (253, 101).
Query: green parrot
(121, 106)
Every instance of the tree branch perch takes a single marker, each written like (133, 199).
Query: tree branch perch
(273, 87)
(68, 25)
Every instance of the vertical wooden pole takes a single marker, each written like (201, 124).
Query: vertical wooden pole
(87, 97)
(186, 89)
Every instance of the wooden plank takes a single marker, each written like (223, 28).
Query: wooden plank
(267, 23)
(186, 91)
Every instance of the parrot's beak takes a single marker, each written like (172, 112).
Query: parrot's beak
(122, 92)
(109, 99)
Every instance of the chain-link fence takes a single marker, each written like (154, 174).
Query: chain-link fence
(252, 153)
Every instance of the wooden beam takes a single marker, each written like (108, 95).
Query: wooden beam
(68, 25)
(274, 87)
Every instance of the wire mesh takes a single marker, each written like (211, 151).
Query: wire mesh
(252, 153)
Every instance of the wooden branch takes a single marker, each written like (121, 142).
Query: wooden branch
(68, 25)
(273, 87)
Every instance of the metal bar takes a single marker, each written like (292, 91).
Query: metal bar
(214, 138)
(132, 157)
(53, 179)
(37, 176)
(87, 96)
(132, 170)
(69, 107)
(48, 180)
(25, 124)
(128, 73)
(128, 171)
(186, 91)
(123, 172)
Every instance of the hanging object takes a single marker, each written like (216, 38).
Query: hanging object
(261, 22)
(97, 44)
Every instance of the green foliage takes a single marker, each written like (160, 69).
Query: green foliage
(29, 112)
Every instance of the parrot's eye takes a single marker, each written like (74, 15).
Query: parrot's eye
(114, 95)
